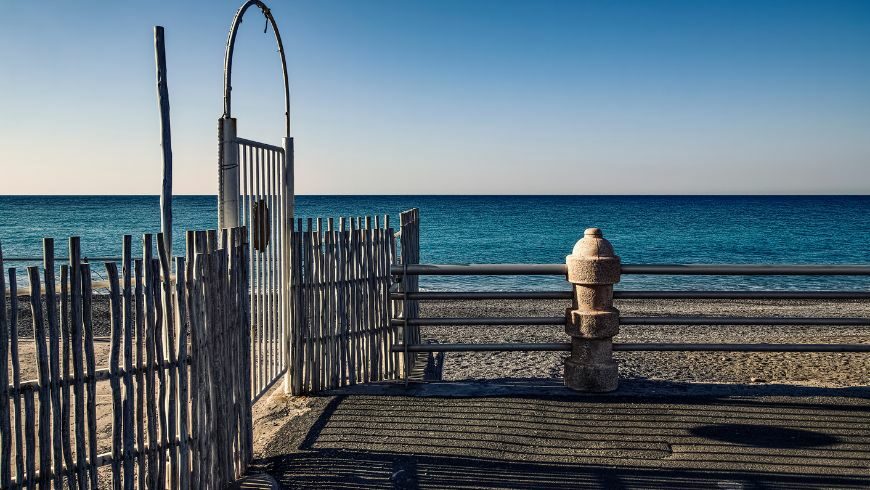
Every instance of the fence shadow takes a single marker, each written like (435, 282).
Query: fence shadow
(615, 441)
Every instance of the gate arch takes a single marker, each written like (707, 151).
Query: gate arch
(228, 60)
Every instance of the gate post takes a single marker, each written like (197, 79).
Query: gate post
(228, 178)
(592, 322)
(289, 179)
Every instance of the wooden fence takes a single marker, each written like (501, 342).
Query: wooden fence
(409, 238)
(340, 308)
(179, 413)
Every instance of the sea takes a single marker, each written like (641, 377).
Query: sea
(515, 229)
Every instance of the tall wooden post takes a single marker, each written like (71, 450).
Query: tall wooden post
(592, 322)
(165, 138)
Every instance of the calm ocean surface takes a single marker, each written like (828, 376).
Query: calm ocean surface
(531, 229)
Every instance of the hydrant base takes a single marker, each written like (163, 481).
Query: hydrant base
(595, 378)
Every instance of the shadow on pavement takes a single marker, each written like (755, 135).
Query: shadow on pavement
(502, 440)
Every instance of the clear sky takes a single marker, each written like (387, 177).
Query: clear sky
(448, 97)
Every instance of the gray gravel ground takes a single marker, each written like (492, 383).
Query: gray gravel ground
(815, 369)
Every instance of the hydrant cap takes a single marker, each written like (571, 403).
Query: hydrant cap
(593, 244)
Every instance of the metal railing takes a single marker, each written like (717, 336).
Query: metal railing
(660, 269)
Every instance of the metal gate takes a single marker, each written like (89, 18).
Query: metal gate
(255, 190)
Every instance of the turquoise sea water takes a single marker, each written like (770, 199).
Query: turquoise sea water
(508, 229)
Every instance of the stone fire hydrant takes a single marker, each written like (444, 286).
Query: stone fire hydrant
(592, 322)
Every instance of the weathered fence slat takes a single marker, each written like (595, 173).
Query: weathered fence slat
(78, 361)
(129, 394)
(5, 427)
(150, 375)
(168, 338)
(65, 401)
(140, 374)
(53, 359)
(43, 373)
(114, 376)
(181, 298)
(29, 437)
(16, 377)
(88, 327)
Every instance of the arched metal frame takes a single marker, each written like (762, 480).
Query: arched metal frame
(228, 60)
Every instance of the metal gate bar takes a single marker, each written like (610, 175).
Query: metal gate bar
(263, 212)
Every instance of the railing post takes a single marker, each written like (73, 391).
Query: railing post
(592, 322)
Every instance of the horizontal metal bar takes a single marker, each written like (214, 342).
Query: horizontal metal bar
(257, 144)
(661, 347)
(668, 269)
(60, 259)
(735, 320)
(480, 269)
(512, 347)
(741, 294)
(638, 320)
(483, 295)
(471, 295)
(748, 269)
(480, 321)
(656, 347)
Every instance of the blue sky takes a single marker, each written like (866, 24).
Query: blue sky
(448, 97)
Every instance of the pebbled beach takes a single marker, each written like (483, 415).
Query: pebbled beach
(809, 369)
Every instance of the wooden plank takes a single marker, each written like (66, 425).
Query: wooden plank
(182, 302)
(29, 437)
(163, 441)
(246, 343)
(235, 367)
(65, 391)
(207, 421)
(129, 393)
(90, 362)
(153, 471)
(5, 426)
(192, 314)
(201, 465)
(16, 376)
(76, 328)
(326, 310)
(114, 375)
(353, 311)
(171, 405)
(141, 416)
(329, 252)
(54, 359)
(320, 360)
(341, 291)
(44, 379)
